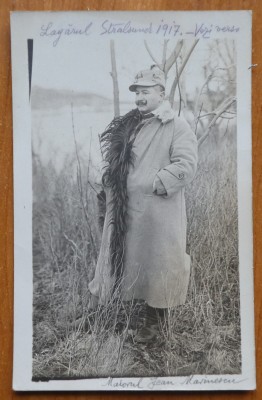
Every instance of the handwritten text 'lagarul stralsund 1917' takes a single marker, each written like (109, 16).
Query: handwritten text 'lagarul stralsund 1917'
(109, 28)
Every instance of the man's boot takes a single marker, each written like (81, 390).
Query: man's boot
(150, 330)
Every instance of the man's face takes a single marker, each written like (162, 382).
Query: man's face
(148, 98)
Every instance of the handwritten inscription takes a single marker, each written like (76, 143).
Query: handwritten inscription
(124, 27)
(56, 33)
(205, 31)
(192, 380)
(124, 384)
(162, 29)
(156, 383)
(166, 29)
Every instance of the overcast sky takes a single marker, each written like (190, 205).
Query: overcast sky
(85, 66)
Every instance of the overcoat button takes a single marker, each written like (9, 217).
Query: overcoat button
(181, 176)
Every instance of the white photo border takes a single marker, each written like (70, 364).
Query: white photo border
(26, 25)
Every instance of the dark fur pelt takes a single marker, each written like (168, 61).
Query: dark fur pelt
(117, 146)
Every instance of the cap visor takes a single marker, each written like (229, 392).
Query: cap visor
(133, 87)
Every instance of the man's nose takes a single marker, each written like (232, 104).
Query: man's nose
(139, 96)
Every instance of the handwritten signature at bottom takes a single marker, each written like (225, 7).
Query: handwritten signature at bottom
(157, 382)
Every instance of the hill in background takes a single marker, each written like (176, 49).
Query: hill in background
(43, 98)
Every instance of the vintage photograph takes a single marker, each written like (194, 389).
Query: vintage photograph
(133, 255)
(135, 215)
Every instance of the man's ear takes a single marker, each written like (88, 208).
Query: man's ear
(162, 94)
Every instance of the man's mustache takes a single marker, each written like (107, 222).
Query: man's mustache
(141, 102)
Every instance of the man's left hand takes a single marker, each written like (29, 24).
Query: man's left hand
(158, 187)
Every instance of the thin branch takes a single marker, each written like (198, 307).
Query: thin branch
(175, 83)
(206, 115)
(197, 121)
(223, 58)
(152, 56)
(219, 52)
(208, 79)
(114, 77)
(80, 187)
(220, 110)
(226, 129)
(94, 189)
(79, 173)
(101, 151)
(164, 55)
(210, 76)
(215, 113)
(173, 56)
(72, 242)
(179, 91)
(221, 116)
(89, 159)
(225, 68)
(89, 152)
(231, 112)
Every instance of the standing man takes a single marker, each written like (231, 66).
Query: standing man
(151, 155)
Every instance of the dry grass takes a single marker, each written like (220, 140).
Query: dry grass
(203, 336)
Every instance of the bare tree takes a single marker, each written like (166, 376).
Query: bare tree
(167, 63)
(221, 104)
(114, 77)
(216, 98)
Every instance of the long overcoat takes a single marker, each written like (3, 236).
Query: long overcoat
(156, 266)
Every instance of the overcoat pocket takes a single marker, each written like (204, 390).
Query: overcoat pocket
(150, 176)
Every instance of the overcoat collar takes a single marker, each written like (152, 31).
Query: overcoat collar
(164, 112)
